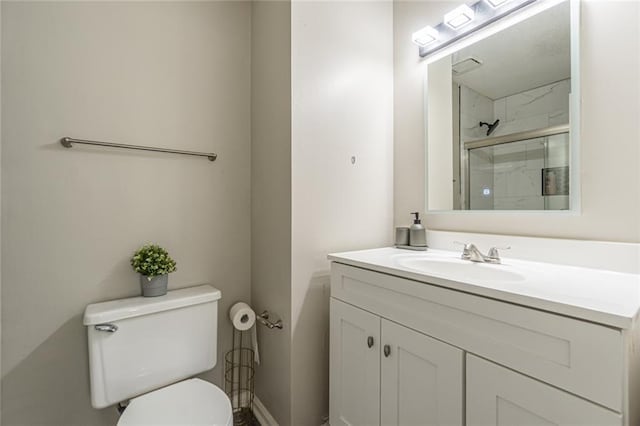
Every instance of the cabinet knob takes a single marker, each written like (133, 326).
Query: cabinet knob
(387, 351)
(370, 341)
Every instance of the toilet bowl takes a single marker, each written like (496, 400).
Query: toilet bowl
(146, 350)
(190, 402)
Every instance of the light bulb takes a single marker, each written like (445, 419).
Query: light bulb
(497, 3)
(459, 17)
(425, 36)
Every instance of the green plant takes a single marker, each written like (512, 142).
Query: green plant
(152, 260)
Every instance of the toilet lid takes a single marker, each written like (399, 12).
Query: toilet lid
(190, 402)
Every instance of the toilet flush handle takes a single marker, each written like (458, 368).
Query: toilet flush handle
(111, 328)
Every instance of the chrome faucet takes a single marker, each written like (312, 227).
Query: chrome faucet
(470, 252)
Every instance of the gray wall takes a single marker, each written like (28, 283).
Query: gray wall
(271, 198)
(175, 75)
(610, 152)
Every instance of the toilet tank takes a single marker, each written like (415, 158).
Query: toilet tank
(140, 344)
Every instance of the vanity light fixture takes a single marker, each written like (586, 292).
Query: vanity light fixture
(463, 21)
(497, 3)
(425, 36)
(459, 17)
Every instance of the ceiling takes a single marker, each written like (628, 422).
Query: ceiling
(530, 54)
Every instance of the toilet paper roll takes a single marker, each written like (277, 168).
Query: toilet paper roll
(243, 319)
(242, 316)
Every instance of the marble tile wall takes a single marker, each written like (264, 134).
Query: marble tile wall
(474, 108)
(534, 109)
(515, 175)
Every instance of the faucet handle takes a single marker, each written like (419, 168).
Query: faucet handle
(467, 250)
(493, 251)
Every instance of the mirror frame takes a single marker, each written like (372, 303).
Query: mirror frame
(574, 101)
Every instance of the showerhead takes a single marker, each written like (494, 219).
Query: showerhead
(491, 127)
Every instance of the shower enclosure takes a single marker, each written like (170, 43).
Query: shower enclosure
(521, 171)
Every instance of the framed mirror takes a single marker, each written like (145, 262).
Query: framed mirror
(501, 115)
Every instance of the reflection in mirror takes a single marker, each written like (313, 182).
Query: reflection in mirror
(498, 119)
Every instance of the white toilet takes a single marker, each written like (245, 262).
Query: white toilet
(143, 349)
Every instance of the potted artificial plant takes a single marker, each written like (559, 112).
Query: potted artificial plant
(154, 265)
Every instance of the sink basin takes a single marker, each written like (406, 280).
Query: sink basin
(460, 270)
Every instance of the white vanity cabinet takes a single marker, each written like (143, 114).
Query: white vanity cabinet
(456, 358)
(384, 373)
(498, 396)
(354, 366)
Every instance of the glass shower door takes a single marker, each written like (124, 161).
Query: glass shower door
(527, 174)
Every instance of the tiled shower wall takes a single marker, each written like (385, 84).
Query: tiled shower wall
(512, 171)
(534, 109)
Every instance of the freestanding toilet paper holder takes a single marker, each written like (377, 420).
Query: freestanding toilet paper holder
(239, 372)
(263, 319)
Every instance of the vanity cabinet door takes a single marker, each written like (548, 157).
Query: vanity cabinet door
(422, 379)
(498, 396)
(355, 366)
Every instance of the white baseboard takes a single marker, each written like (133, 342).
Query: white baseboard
(262, 414)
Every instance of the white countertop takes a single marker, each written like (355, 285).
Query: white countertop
(600, 296)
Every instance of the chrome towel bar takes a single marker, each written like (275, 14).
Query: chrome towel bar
(68, 142)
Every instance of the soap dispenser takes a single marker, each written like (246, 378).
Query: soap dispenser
(417, 233)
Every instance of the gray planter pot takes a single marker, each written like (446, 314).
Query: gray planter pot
(157, 286)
